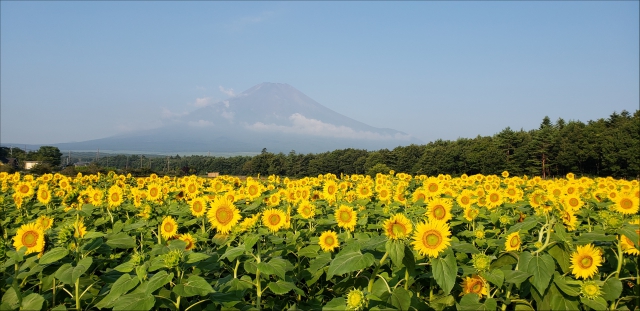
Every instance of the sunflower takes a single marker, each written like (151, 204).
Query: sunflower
(44, 194)
(30, 236)
(248, 222)
(79, 230)
(464, 199)
(439, 209)
(24, 189)
(306, 209)
(433, 187)
(355, 300)
(431, 238)
(253, 189)
(505, 174)
(474, 284)
(346, 217)
(198, 206)
(223, 215)
(397, 227)
(363, 190)
(494, 199)
(569, 219)
(274, 219)
(329, 190)
(115, 196)
(328, 241)
(590, 290)
(44, 222)
(384, 195)
(419, 194)
(154, 192)
(628, 246)
(471, 213)
(572, 202)
(190, 240)
(513, 242)
(273, 200)
(169, 227)
(585, 261)
(626, 203)
(191, 188)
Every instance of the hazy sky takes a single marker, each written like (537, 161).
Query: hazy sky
(73, 71)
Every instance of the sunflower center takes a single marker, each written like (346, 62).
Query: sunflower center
(345, 216)
(253, 190)
(115, 197)
(432, 239)
(398, 229)
(24, 189)
(586, 262)
(153, 192)
(44, 195)
(571, 190)
(477, 287)
(421, 196)
(626, 203)
(192, 188)
(331, 189)
(515, 241)
(197, 206)
(573, 202)
(511, 192)
(439, 212)
(384, 193)
(494, 197)
(168, 227)
(224, 215)
(306, 210)
(329, 240)
(433, 187)
(30, 239)
(274, 219)
(96, 197)
(591, 289)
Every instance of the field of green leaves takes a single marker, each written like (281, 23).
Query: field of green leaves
(353, 242)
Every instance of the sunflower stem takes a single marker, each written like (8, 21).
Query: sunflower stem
(375, 272)
(406, 279)
(235, 270)
(159, 235)
(203, 226)
(546, 242)
(620, 259)
(77, 295)
(504, 304)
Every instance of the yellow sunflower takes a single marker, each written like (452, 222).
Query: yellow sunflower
(384, 194)
(433, 187)
(585, 261)
(273, 200)
(306, 209)
(346, 217)
(355, 300)
(44, 194)
(397, 227)
(115, 196)
(419, 194)
(494, 199)
(572, 202)
(363, 191)
(474, 284)
(626, 203)
(328, 241)
(154, 192)
(274, 219)
(253, 189)
(439, 209)
(79, 230)
(431, 238)
(471, 213)
(198, 206)
(169, 227)
(24, 189)
(223, 215)
(190, 240)
(329, 190)
(628, 247)
(513, 242)
(191, 188)
(249, 222)
(569, 219)
(30, 236)
(464, 199)
(44, 222)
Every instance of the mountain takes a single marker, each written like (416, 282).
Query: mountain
(275, 116)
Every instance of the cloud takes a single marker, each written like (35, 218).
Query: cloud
(241, 23)
(228, 92)
(302, 125)
(168, 114)
(203, 102)
(228, 115)
(200, 123)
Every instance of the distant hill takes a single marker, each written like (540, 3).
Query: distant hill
(275, 116)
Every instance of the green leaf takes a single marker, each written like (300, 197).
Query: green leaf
(541, 268)
(134, 226)
(64, 273)
(445, 271)
(233, 252)
(528, 224)
(464, 247)
(612, 289)
(158, 280)
(409, 261)
(53, 255)
(310, 251)
(565, 287)
(598, 304)
(194, 257)
(589, 237)
(10, 298)
(401, 298)
(471, 301)
(396, 251)
(121, 286)
(515, 276)
(32, 302)
(250, 240)
(559, 301)
(125, 267)
(194, 285)
(140, 301)
(336, 304)
(92, 235)
(281, 287)
(275, 266)
(319, 262)
(495, 276)
(81, 268)
(349, 261)
(121, 240)
(505, 259)
(562, 256)
(630, 232)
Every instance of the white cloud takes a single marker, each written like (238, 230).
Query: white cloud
(200, 123)
(203, 102)
(168, 114)
(228, 92)
(303, 125)
(228, 115)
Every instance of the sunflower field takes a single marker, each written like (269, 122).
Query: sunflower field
(353, 242)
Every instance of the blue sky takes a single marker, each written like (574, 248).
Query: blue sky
(74, 71)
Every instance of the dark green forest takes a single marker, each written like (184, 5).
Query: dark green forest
(604, 147)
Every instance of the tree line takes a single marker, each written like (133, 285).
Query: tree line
(604, 147)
